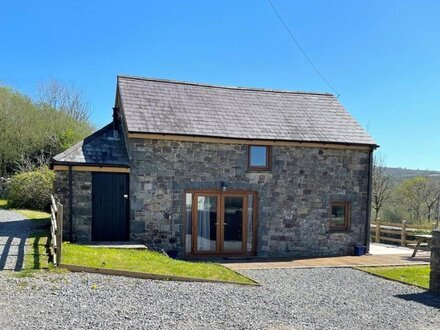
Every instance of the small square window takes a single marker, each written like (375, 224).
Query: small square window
(340, 216)
(259, 158)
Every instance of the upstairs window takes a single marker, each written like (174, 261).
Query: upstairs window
(259, 158)
(340, 216)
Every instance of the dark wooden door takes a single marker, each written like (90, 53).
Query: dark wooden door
(110, 207)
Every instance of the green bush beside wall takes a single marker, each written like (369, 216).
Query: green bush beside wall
(31, 190)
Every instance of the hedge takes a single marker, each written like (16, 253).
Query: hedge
(31, 190)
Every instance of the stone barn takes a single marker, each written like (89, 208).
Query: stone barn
(205, 170)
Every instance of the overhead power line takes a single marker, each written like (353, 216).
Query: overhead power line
(302, 50)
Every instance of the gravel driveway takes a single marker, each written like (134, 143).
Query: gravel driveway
(288, 299)
(14, 232)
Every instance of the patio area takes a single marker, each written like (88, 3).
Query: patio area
(380, 255)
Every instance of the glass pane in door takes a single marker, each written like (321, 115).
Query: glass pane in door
(233, 223)
(188, 219)
(207, 223)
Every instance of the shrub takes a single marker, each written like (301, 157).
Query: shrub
(31, 189)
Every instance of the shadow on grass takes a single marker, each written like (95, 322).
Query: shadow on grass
(31, 243)
(36, 250)
(29, 236)
(426, 298)
(39, 257)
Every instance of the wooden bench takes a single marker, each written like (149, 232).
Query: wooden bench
(414, 245)
(423, 243)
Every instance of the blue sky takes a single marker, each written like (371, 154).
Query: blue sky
(383, 57)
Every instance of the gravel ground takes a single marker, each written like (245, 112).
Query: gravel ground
(14, 232)
(288, 299)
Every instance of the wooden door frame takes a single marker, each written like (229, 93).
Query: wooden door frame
(220, 204)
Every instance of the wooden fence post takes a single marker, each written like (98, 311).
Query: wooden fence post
(56, 217)
(60, 231)
(403, 241)
(54, 229)
(377, 231)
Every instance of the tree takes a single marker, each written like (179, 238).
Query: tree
(381, 185)
(431, 196)
(412, 194)
(31, 134)
(65, 98)
(18, 120)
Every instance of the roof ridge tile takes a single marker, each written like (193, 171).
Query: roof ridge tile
(256, 89)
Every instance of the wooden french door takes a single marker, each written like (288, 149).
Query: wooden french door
(206, 223)
(233, 215)
(220, 222)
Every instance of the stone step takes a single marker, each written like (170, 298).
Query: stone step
(119, 245)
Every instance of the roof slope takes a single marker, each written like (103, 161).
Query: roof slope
(104, 147)
(170, 107)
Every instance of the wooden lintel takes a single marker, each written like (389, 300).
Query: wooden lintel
(189, 138)
(80, 168)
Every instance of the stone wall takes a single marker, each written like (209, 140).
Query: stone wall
(434, 282)
(82, 204)
(294, 197)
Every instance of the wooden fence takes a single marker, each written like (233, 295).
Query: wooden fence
(396, 233)
(56, 229)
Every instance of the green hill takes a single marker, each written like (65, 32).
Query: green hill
(399, 174)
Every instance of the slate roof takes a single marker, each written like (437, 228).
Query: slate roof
(104, 147)
(173, 107)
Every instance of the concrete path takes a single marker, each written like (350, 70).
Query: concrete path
(15, 231)
(380, 255)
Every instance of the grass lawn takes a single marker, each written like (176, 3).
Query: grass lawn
(122, 259)
(415, 275)
(3, 203)
(30, 214)
(33, 215)
(148, 262)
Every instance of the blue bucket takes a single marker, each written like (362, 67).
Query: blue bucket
(173, 254)
(359, 250)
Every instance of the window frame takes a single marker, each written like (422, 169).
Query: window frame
(347, 216)
(267, 166)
